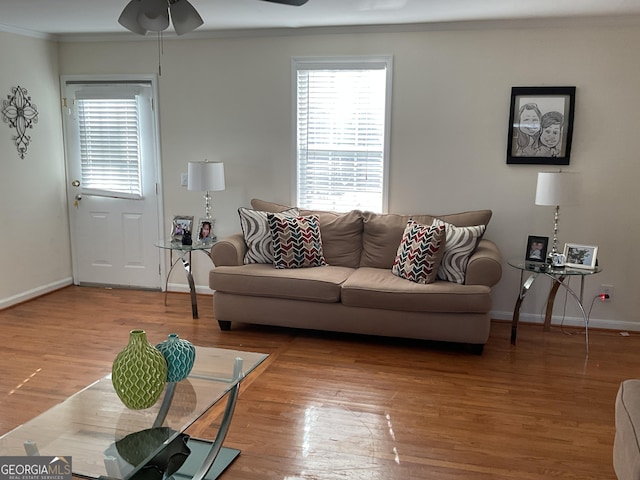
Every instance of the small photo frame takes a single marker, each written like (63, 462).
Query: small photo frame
(540, 125)
(536, 249)
(205, 231)
(580, 256)
(181, 224)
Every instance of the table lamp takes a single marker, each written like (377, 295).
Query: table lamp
(555, 189)
(206, 177)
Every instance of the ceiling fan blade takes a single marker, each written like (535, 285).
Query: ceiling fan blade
(185, 17)
(129, 17)
(294, 3)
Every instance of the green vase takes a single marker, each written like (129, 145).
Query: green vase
(139, 372)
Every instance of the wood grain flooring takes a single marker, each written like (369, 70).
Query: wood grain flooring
(329, 406)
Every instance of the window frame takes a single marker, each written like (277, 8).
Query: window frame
(343, 62)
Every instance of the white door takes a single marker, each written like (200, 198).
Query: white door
(113, 192)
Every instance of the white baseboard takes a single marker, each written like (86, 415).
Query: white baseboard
(182, 288)
(617, 325)
(35, 292)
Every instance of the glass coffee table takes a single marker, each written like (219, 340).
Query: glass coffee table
(105, 439)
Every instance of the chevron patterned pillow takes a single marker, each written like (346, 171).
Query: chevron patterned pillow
(256, 233)
(296, 241)
(420, 252)
(460, 244)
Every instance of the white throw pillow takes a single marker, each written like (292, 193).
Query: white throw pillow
(459, 245)
(256, 233)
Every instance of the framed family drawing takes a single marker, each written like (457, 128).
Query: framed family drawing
(541, 125)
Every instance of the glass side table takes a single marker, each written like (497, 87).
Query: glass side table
(184, 254)
(558, 275)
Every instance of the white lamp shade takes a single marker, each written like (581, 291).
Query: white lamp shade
(205, 176)
(556, 188)
(185, 18)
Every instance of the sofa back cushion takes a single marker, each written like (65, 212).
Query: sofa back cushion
(268, 206)
(383, 233)
(341, 232)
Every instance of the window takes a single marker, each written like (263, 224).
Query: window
(109, 145)
(111, 136)
(342, 125)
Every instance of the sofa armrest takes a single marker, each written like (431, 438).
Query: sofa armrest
(485, 265)
(229, 251)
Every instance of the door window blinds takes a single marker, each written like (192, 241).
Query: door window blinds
(110, 152)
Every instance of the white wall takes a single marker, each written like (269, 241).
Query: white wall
(229, 99)
(35, 233)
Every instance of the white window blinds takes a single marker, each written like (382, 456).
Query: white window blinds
(341, 131)
(109, 131)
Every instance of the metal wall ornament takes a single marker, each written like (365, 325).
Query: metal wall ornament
(20, 113)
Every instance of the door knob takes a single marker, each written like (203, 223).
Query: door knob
(76, 183)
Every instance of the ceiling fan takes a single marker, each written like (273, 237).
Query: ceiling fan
(142, 16)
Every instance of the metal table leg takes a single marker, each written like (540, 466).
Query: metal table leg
(198, 471)
(185, 257)
(192, 287)
(578, 300)
(516, 309)
(550, 301)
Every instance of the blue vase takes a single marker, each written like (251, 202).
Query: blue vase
(180, 355)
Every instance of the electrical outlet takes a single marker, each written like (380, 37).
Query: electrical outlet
(607, 290)
(183, 179)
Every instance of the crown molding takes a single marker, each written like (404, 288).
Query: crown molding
(26, 33)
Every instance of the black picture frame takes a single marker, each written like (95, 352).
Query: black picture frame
(536, 249)
(540, 125)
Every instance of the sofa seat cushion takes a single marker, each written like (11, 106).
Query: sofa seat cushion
(379, 288)
(321, 284)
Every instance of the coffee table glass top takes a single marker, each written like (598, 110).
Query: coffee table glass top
(89, 425)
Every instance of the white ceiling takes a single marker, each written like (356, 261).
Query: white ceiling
(66, 18)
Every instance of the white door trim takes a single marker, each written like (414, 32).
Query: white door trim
(153, 79)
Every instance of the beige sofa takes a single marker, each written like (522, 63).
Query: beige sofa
(357, 292)
(626, 445)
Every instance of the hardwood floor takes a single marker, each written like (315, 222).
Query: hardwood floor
(329, 406)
